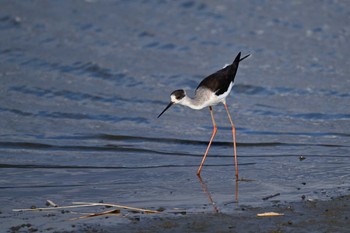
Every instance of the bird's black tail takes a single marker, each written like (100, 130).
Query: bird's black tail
(244, 57)
(234, 66)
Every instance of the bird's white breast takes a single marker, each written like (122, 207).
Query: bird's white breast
(221, 98)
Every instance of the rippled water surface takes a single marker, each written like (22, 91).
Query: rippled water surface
(82, 82)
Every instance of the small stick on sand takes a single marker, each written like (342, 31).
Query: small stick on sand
(52, 208)
(51, 203)
(89, 204)
(271, 196)
(118, 206)
(270, 214)
(114, 212)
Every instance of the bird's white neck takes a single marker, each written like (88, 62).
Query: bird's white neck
(194, 103)
(203, 98)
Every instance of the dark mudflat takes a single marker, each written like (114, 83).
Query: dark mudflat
(305, 216)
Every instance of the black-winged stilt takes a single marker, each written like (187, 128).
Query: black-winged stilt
(212, 90)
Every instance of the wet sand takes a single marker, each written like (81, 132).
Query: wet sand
(308, 216)
(304, 216)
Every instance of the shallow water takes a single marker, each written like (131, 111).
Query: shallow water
(82, 84)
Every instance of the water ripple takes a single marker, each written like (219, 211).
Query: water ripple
(286, 91)
(308, 134)
(107, 147)
(89, 69)
(129, 146)
(77, 116)
(305, 116)
(75, 95)
(9, 21)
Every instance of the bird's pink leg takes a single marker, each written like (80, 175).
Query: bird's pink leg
(211, 140)
(234, 139)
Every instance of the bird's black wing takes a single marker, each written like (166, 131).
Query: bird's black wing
(219, 81)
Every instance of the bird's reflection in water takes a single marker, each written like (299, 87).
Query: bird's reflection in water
(210, 198)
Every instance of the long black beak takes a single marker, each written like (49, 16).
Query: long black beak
(169, 105)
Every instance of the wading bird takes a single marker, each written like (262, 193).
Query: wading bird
(212, 90)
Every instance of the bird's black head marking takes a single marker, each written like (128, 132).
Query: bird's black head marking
(178, 94)
(176, 97)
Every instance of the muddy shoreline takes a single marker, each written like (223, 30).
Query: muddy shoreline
(305, 216)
